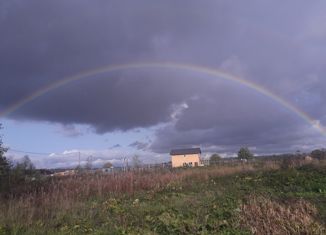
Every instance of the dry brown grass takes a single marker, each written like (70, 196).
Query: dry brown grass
(265, 216)
(62, 194)
(66, 193)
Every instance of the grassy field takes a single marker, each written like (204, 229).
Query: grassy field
(241, 199)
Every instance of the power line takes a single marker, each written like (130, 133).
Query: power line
(27, 152)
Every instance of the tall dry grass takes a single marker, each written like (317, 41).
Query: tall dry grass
(264, 216)
(64, 194)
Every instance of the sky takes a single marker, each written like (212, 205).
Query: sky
(147, 111)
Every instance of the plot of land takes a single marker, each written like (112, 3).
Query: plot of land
(242, 199)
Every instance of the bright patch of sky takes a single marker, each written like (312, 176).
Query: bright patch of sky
(43, 137)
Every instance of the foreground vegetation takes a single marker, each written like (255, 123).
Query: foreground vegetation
(263, 198)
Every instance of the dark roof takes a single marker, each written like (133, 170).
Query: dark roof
(185, 151)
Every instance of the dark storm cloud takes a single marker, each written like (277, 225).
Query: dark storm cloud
(120, 101)
(280, 45)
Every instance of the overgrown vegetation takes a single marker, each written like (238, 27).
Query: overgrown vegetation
(241, 199)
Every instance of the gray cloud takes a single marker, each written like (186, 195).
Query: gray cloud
(139, 145)
(69, 130)
(278, 45)
(115, 146)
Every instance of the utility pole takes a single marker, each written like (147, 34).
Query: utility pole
(125, 164)
(79, 159)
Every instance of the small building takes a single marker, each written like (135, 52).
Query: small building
(308, 158)
(186, 157)
(64, 173)
(107, 169)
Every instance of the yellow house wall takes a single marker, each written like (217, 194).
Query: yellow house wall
(178, 160)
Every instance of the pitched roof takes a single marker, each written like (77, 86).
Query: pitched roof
(185, 151)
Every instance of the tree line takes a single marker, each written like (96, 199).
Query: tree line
(245, 154)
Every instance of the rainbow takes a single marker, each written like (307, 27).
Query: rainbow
(168, 65)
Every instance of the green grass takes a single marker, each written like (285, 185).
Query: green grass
(191, 206)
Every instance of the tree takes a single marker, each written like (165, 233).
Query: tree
(23, 171)
(89, 163)
(136, 162)
(4, 167)
(107, 165)
(319, 154)
(26, 166)
(214, 158)
(244, 153)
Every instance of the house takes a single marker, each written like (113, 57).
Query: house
(107, 169)
(308, 158)
(186, 157)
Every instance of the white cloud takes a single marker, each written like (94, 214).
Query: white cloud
(70, 158)
(178, 110)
